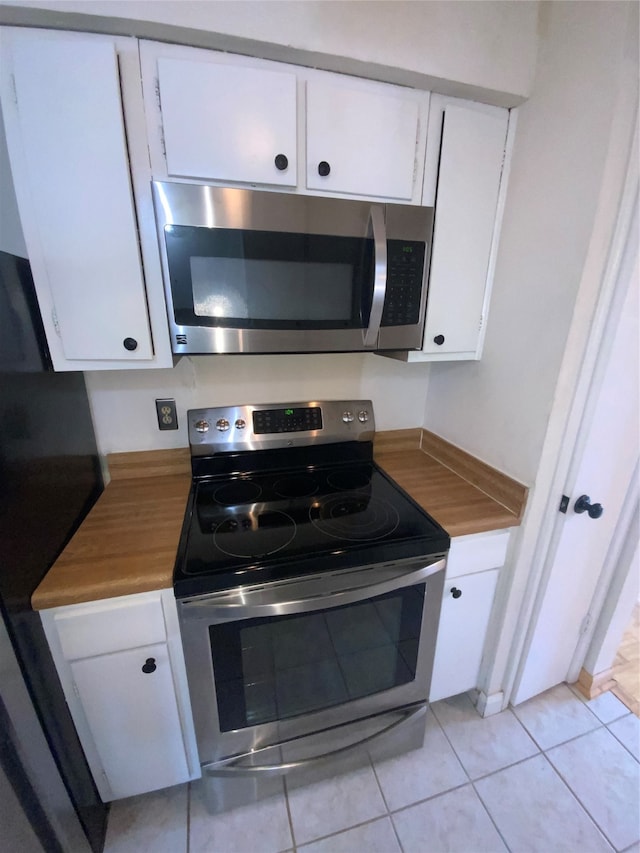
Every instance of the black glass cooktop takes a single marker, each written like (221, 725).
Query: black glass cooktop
(263, 526)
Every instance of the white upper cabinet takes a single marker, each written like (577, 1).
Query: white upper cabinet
(361, 142)
(61, 101)
(466, 168)
(227, 123)
(215, 117)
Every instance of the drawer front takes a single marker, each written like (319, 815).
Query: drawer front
(477, 553)
(110, 626)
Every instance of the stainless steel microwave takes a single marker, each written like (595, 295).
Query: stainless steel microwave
(264, 272)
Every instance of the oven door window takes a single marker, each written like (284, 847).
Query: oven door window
(279, 667)
(232, 278)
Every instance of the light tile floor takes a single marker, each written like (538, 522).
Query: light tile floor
(557, 773)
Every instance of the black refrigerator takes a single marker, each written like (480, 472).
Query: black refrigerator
(49, 479)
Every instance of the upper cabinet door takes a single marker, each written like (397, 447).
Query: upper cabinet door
(361, 142)
(66, 138)
(227, 123)
(468, 183)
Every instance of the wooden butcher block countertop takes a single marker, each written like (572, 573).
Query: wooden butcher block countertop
(128, 542)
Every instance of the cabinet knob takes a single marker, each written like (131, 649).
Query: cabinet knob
(439, 339)
(130, 344)
(149, 666)
(583, 504)
(455, 592)
(323, 168)
(282, 162)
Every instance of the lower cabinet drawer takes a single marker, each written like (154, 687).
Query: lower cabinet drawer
(464, 619)
(129, 702)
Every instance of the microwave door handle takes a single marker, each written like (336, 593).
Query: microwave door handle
(377, 228)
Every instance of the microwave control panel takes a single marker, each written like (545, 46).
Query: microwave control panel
(405, 273)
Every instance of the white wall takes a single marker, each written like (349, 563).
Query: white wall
(123, 401)
(490, 46)
(498, 408)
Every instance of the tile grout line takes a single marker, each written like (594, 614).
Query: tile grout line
(613, 734)
(489, 815)
(288, 807)
(341, 831)
(386, 804)
(579, 801)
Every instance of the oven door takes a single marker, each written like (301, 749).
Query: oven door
(261, 272)
(270, 664)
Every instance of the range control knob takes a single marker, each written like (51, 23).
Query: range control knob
(240, 424)
(347, 417)
(201, 426)
(222, 424)
(363, 416)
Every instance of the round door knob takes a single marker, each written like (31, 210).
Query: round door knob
(282, 162)
(455, 592)
(130, 344)
(149, 666)
(323, 168)
(222, 424)
(439, 339)
(583, 504)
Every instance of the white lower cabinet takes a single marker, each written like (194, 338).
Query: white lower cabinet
(121, 667)
(469, 591)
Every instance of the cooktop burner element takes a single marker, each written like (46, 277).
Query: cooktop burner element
(293, 501)
(354, 516)
(353, 477)
(300, 486)
(237, 492)
(255, 535)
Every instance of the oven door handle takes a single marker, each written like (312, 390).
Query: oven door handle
(378, 229)
(234, 766)
(234, 605)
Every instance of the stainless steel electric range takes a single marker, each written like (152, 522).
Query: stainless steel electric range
(309, 588)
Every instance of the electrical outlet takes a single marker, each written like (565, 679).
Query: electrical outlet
(167, 415)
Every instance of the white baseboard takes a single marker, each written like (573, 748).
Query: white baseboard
(492, 704)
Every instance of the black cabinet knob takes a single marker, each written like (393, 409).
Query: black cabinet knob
(439, 339)
(323, 168)
(282, 162)
(455, 592)
(149, 666)
(583, 504)
(130, 344)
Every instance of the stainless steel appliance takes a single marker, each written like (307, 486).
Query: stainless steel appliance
(50, 475)
(264, 272)
(309, 588)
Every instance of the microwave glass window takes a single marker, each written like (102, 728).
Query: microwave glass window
(234, 278)
(275, 668)
(230, 288)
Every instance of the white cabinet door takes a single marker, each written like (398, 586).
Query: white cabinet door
(68, 152)
(228, 123)
(360, 142)
(133, 718)
(470, 167)
(464, 619)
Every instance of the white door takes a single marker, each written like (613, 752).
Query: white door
(464, 618)
(228, 123)
(604, 461)
(133, 717)
(81, 230)
(469, 173)
(360, 142)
